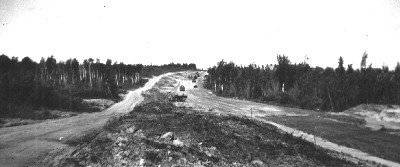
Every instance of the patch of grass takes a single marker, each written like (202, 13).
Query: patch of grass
(154, 95)
(16, 124)
(343, 118)
(153, 157)
(348, 132)
(28, 112)
(112, 124)
(93, 94)
(87, 138)
(165, 82)
(19, 111)
(129, 86)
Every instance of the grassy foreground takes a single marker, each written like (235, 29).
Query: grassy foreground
(158, 133)
(347, 131)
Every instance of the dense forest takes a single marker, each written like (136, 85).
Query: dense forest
(329, 89)
(26, 85)
(152, 70)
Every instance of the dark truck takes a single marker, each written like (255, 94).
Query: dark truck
(182, 88)
(177, 97)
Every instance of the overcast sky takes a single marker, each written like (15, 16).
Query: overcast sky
(203, 31)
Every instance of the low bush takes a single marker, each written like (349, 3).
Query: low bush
(112, 124)
(93, 94)
(20, 111)
(284, 98)
(311, 103)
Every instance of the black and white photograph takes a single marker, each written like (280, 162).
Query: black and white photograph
(199, 83)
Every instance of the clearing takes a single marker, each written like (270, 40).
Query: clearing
(203, 130)
(158, 133)
(346, 134)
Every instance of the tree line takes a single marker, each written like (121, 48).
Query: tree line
(27, 85)
(329, 89)
(154, 70)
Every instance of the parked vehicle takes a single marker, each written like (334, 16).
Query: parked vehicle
(182, 88)
(177, 97)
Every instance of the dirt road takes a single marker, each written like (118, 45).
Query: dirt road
(23, 145)
(202, 99)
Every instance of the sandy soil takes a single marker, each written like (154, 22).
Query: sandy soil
(202, 99)
(24, 145)
(377, 116)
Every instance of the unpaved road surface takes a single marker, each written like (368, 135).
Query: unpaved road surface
(202, 99)
(23, 145)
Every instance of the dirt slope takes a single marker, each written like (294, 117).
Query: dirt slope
(202, 99)
(23, 145)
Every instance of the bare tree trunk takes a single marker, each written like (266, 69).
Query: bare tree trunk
(81, 73)
(42, 75)
(230, 76)
(65, 78)
(119, 74)
(97, 76)
(330, 99)
(136, 78)
(80, 76)
(73, 77)
(90, 75)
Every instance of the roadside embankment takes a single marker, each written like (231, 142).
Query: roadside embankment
(157, 133)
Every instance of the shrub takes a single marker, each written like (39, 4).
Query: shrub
(46, 114)
(284, 98)
(112, 124)
(93, 94)
(19, 111)
(312, 103)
